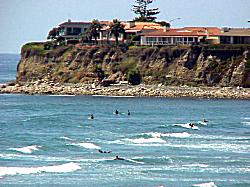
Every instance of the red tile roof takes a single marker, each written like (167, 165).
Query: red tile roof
(186, 31)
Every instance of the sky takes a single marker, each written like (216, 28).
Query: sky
(24, 21)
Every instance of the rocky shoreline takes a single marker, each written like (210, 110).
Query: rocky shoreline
(45, 87)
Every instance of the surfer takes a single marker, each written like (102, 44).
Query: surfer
(91, 116)
(100, 151)
(205, 121)
(118, 158)
(128, 113)
(191, 125)
(116, 112)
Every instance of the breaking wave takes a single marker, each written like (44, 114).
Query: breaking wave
(187, 126)
(66, 138)
(86, 145)
(246, 123)
(27, 150)
(209, 184)
(175, 135)
(64, 168)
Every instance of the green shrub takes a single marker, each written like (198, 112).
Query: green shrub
(134, 77)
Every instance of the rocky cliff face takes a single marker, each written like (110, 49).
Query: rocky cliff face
(179, 65)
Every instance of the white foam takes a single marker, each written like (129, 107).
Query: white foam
(133, 161)
(61, 95)
(187, 126)
(65, 138)
(175, 135)
(246, 123)
(27, 150)
(87, 145)
(209, 184)
(196, 165)
(146, 140)
(202, 123)
(64, 168)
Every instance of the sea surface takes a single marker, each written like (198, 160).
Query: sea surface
(8, 66)
(51, 141)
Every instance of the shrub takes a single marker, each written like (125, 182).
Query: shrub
(134, 77)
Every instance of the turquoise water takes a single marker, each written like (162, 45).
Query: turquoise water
(49, 141)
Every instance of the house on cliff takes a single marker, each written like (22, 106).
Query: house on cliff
(72, 31)
(235, 36)
(186, 35)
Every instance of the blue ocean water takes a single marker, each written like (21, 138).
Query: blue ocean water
(8, 66)
(50, 141)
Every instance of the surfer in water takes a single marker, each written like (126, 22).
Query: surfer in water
(116, 112)
(191, 125)
(205, 121)
(118, 158)
(128, 113)
(100, 151)
(91, 116)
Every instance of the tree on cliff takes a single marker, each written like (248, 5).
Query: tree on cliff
(94, 30)
(145, 13)
(57, 39)
(54, 34)
(116, 28)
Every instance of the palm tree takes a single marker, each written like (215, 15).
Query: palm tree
(94, 29)
(116, 28)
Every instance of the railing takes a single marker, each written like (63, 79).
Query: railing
(154, 43)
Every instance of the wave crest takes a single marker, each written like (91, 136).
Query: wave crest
(175, 135)
(209, 184)
(64, 168)
(86, 145)
(146, 140)
(27, 149)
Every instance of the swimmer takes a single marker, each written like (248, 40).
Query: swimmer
(118, 158)
(91, 116)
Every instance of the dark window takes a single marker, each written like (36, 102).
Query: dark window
(225, 39)
(69, 30)
(76, 31)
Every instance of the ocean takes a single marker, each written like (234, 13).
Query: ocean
(51, 141)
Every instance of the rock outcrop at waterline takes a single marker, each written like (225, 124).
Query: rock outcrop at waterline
(209, 65)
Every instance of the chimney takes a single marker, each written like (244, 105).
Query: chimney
(225, 29)
(69, 20)
(165, 28)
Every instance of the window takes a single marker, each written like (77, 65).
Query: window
(68, 31)
(77, 31)
(151, 39)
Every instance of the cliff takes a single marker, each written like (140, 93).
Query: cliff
(211, 65)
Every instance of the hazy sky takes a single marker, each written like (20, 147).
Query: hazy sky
(23, 21)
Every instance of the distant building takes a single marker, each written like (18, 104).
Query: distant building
(150, 33)
(235, 36)
(72, 30)
(186, 35)
(131, 29)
